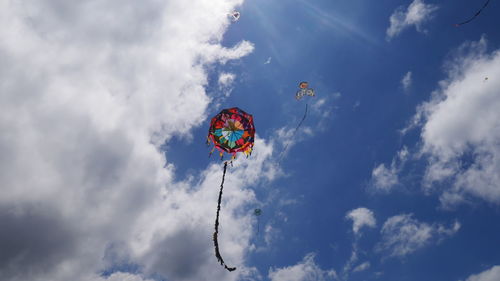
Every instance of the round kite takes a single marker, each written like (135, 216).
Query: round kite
(232, 131)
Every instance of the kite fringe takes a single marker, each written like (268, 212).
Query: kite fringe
(216, 242)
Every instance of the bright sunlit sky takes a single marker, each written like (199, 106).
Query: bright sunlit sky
(394, 174)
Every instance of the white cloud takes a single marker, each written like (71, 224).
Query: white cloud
(407, 81)
(362, 267)
(225, 82)
(492, 274)
(319, 108)
(403, 235)
(88, 93)
(416, 14)
(226, 79)
(361, 217)
(306, 270)
(121, 276)
(461, 127)
(386, 178)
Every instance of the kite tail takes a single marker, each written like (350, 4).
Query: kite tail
(293, 135)
(216, 242)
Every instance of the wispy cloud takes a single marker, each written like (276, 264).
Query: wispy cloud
(416, 14)
(403, 235)
(226, 79)
(386, 178)
(225, 82)
(407, 81)
(362, 267)
(361, 217)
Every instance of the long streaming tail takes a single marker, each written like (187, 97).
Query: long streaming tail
(216, 242)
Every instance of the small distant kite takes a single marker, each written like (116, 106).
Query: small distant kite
(257, 213)
(234, 16)
(304, 91)
(230, 131)
(474, 16)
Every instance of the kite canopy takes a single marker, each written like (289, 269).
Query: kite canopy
(257, 212)
(232, 131)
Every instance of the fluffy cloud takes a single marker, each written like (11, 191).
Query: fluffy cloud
(386, 178)
(226, 79)
(306, 270)
(491, 274)
(88, 93)
(416, 14)
(461, 127)
(361, 217)
(403, 235)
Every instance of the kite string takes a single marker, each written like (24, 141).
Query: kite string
(216, 242)
(475, 15)
(293, 135)
(258, 223)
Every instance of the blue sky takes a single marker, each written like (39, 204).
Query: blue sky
(394, 174)
(340, 47)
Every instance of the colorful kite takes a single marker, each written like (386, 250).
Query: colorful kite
(304, 90)
(474, 16)
(230, 131)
